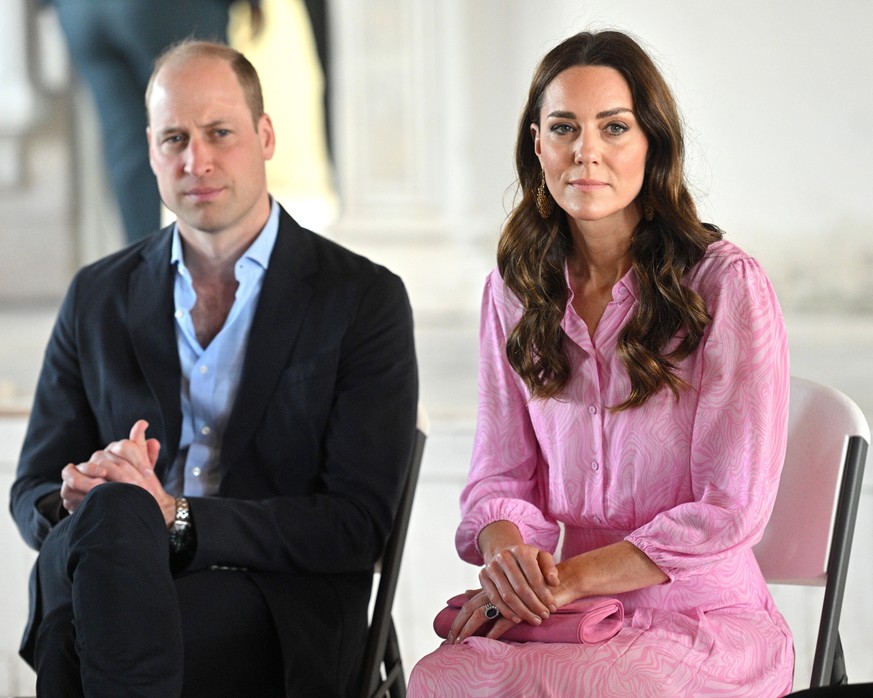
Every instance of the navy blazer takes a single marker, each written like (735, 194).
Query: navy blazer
(314, 453)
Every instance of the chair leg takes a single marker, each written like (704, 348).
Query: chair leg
(392, 659)
(838, 669)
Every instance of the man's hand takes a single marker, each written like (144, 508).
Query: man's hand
(79, 480)
(130, 460)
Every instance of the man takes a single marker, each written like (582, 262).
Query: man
(113, 46)
(237, 385)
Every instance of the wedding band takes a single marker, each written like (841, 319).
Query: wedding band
(491, 611)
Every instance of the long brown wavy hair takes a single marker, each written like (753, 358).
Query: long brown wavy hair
(532, 251)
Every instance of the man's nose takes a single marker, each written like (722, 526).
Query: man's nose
(198, 158)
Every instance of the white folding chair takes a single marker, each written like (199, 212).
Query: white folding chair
(809, 536)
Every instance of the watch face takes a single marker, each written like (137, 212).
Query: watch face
(180, 537)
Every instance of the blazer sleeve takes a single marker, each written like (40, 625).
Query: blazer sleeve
(61, 429)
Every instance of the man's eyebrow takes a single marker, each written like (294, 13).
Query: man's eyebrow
(215, 123)
(601, 115)
(172, 128)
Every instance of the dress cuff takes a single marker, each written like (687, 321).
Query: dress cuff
(534, 527)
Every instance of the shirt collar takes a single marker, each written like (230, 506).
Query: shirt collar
(259, 251)
(628, 282)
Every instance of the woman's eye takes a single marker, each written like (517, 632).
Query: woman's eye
(562, 128)
(616, 129)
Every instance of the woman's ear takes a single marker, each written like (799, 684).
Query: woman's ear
(535, 134)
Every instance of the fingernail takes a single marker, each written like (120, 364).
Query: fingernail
(553, 608)
(516, 620)
(537, 620)
(545, 615)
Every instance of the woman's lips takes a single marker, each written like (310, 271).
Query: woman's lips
(588, 184)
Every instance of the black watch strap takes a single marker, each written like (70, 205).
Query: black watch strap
(182, 528)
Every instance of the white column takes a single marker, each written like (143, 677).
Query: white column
(388, 126)
(17, 94)
(409, 126)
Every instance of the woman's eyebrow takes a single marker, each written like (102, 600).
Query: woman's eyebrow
(601, 115)
(614, 112)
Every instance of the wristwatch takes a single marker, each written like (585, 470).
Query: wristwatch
(182, 530)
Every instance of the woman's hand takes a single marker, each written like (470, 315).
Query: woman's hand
(472, 615)
(517, 573)
(518, 579)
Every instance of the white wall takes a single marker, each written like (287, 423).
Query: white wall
(16, 677)
(775, 94)
(779, 112)
(427, 93)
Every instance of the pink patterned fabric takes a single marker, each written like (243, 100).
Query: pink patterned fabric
(690, 482)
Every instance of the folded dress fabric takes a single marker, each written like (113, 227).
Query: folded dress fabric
(585, 621)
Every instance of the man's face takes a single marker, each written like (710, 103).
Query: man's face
(207, 155)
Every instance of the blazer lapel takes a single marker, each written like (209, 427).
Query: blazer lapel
(153, 336)
(283, 303)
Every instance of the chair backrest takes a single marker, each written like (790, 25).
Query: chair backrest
(382, 667)
(797, 540)
(809, 536)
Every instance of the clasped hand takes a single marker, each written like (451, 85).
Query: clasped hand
(130, 460)
(522, 582)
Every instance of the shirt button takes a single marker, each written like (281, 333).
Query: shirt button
(595, 465)
(180, 314)
(196, 472)
(203, 369)
(592, 409)
(205, 431)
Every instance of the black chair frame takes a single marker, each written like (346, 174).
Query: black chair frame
(383, 669)
(828, 667)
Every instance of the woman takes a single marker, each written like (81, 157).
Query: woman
(634, 388)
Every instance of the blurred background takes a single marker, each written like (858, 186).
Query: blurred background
(409, 159)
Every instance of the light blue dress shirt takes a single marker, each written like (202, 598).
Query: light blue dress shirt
(210, 376)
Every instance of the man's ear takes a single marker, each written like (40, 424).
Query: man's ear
(151, 146)
(267, 136)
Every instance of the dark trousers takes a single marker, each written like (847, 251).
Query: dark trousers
(113, 45)
(115, 622)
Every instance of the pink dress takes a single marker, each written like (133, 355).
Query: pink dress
(690, 482)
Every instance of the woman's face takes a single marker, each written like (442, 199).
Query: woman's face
(591, 147)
